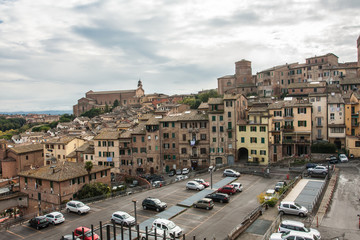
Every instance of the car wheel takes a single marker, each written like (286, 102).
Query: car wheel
(158, 209)
(207, 208)
(221, 201)
(231, 193)
(144, 207)
(79, 212)
(195, 206)
(301, 215)
(198, 189)
(324, 173)
(282, 212)
(68, 210)
(37, 227)
(310, 173)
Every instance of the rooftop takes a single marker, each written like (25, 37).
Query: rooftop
(27, 148)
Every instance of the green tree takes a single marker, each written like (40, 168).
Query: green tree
(116, 104)
(107, 109)
(92, 113)
(66, 117)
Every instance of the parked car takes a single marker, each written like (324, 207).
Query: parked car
(194, 185)
(55, 218)
(158, 183)
(123, 218)
(153, 203)
(293, 235)
(318, 170)
(218, 197)
(206, 203)
(231, 173)
(289, 225)
(292, 208)
(178, 172)
(87, 233)
(151, 235)
(332, 159)
(69, 237)
(78, 207)
(343, 158)
(39, 222)
(185, 171)
(279, 185)
(202, 181)
(172, 172)
(310, 165)
(180, 177)
(169, 226)
(238, 186)
(269, 194)
(228, 189)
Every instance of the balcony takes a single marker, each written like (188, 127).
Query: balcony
(194, 142)
(356, 124)
(292, 141)
(194, 156)
(288, 128)
(193, 130)
(229, 129)
(276, 129)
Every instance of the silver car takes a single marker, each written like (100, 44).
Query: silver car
(292, 208)
(123, 218)
(194, 185)
(231, 173)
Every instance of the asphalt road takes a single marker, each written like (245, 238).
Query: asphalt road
(217, 222)
(342, 220)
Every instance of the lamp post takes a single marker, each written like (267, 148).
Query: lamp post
(134, 201)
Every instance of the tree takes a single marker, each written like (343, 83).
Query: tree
(66, 117)
(116, 104)
(107, 109)
(92, 113)
(88, 167)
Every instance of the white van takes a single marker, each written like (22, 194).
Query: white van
(168, 226)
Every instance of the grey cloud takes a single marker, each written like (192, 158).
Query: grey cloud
(340, 4)
(237, 18)
(86, 7)
(134, 45)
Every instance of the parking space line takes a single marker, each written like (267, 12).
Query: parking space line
(15, 234)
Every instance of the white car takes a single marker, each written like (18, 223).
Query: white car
(231, 173)
(289, 225)
(269, 194)
(194, 185)
(238, 186)
(185, 171)
(123, 218)
(55, 218)
(343, 158)
(170, 227)
(78, 207)
(293, 235)
(292, 208)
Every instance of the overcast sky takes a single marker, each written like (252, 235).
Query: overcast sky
(52, 52)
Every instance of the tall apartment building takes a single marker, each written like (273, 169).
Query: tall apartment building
(224, 115)
(169, 143)
(290, 128)
(252, 136)
(319, 116)
(57, 149)
(336, 120)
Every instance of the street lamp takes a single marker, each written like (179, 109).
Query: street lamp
(134, 201)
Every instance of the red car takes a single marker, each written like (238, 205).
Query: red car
(202, 181)
(87, 232)
(228, 189)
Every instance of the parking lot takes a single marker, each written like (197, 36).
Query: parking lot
(201, 223)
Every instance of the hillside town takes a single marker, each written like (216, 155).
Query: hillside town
(257, 119)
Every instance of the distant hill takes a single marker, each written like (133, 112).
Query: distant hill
(49, 112)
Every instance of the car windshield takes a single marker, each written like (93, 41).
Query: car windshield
(125, 216)
(284, 235)
(171, 225)
(201, 180)
(42, 220)
(79, 205)
(58, 216)
(297, 205)
(157, 201)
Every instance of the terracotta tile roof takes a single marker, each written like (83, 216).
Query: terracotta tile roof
(203, 105)
(186, 116)
(27, 148)
(107, 136)
(139, 129)
(63, 140)
(216, 101)
(347, 81)
(336, 98)
(153, 120)
(61, 171)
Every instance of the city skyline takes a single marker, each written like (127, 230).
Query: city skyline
(52, 53)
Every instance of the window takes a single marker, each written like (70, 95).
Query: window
(221, 118)
(143, 150)
(262, 140)
(252, 129)
(103, 143)
(183, 125)
(332, 116)
(134, 150)
(173, 135)
(253, 151)
(202, 124)
(229, 114)
(262, 129)
(302, 123)
(253, 140)
(134, 139)
(214, 139)
(214, 129)
(166, 145)
(213, 118)
(183, 150)
(166, 135)
(221, 129)
(242, 128)
(173, 145)
(302, 110)
(242, 139)
(202, 150)
(275, 149)
(99, 143)
(357, 143)
(203, 136)
(165, 124)
(229, 125)
(262, 152)
(288, 112)
(142, 139)
(99, 154)
(172, 124)
(184, 137)
(230, 135)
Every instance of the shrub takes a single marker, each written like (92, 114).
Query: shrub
(323, 148)
(261, 198)
(93, 190)
(272, 202)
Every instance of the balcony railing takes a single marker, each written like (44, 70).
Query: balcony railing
(296, 141)
(288, 128)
